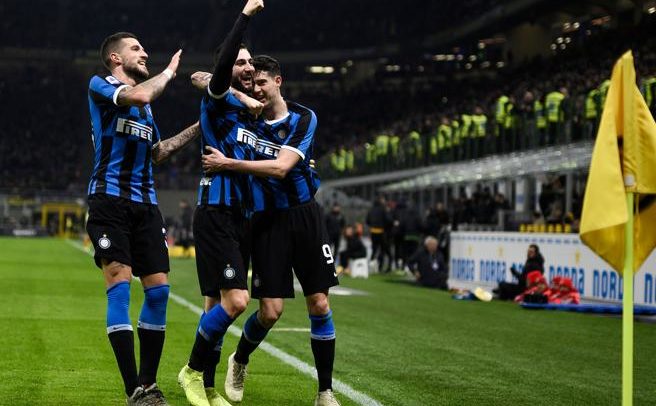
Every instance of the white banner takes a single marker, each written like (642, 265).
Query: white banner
(484, 259)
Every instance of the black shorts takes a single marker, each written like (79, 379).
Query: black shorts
(291, 239)
(127, 232)
(222, 236)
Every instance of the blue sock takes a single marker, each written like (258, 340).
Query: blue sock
(322, 327)
(252, 335)
(215, 324)
(212, 327)
(118, 302)
(119, 331)
(153, 311)
(151, 329)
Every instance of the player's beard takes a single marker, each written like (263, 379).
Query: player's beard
(138, 72)
(243, 85)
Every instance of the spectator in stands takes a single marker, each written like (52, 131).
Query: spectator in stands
(355, 249)
(534, 262)
(428, 266)
(436, 218)
(183, 229)
(335, 224)
(379, 222)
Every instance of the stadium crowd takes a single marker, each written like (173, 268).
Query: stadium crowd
(538, 103)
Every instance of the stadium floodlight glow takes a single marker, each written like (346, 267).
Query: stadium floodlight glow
(343, 70)
(500, 64)
(440, 57)
(481, 45)
(576, 25)
(460, 57)
(566, 26)
(651, 10)
(349, 63)
(392, 68)
(468, 65)
(563, 46)
(568, 40)
(321, 69)
(554, 47)
(472, 58)
(559, 40)
(450, 57)
(485, 64)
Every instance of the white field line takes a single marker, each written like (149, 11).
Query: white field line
(339, 386)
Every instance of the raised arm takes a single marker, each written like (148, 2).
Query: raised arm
(164, 149)
(145, 92)
(220, 82)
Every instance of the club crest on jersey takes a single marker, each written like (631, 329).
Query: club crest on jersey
(104, 242)
(229, 272)
(256, 281)
(282, 134)
(130, 127)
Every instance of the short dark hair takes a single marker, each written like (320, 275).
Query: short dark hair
(265, 63)
(217, 51)
(109, 45)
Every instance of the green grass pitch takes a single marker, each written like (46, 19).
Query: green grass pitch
(399, 344)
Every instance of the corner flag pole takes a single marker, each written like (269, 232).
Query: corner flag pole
(627, 306)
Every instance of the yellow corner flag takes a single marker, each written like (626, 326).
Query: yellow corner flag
(623, 161)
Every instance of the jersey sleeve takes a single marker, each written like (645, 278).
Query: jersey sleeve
(302, 136)
(223, 103)
(102, 91)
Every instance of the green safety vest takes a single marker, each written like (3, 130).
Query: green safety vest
(508, 123)
(500, 114)
(394, 144)
(480, 122)
(382, 145)
(349, 160)
(444, 133)
(369, 153)
(465, 131)
(415, 143)
(591, 106)
(603, 91)
(554, 112)
(540, 119)
(649, 90)
(455, 132)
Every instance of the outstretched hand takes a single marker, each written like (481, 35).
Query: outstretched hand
(252, 7)
(200, 80)
(175, 62)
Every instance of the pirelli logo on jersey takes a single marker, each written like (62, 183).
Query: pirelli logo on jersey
(246, 137)
(130, 127)
(267, 148)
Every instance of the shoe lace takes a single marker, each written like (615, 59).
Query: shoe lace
(239, 375)
(154, 397)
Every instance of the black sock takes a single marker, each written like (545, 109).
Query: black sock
(200, 353)
(244, 349)
(211, 362)
(123, 345)
(324, 355)
(151, 343)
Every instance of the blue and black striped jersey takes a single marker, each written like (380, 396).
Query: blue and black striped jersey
(123, 138)
(223, 121)
(296, 133)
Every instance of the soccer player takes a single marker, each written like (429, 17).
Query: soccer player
(124, 223)
(288, 229)
(221, 228)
